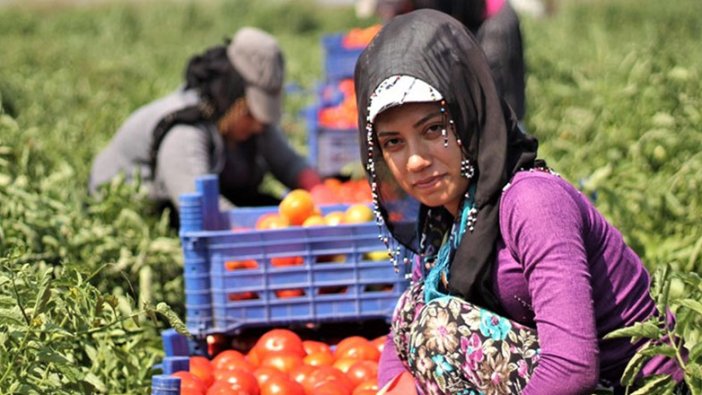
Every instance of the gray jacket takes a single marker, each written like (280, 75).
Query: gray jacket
(189, 151)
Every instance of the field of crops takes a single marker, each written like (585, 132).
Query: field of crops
(614, 95)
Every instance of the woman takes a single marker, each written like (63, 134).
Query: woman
(223, 121)
(520, 276)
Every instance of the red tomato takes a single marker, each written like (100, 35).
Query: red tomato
(224, 388)
(360, 350)
(289, 293)
(287, 261)
(280, 340)
(330, 388)
(302, 373)
(327, 373)
(264, 373)
(312, 346)
(364, 392)
(241, 265)
(366, 387)
(281, 386)
(202, 368)
(254, 357)
(361, 371)
(190, 384)
(322, 358)
(343, 364)
(242, 380)
(283, 361)
(225, 357)
(379, 342)
(246, 295)
(348, 342)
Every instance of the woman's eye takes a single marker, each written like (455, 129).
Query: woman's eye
(390, 143)
(434, 131)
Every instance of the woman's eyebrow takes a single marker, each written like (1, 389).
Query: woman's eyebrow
(382, 133)
(426, 118)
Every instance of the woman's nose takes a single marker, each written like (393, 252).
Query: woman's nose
(417, 162)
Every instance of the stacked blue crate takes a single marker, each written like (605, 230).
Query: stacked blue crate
(332, 149)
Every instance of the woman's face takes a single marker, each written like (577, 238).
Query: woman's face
(238, 124)
(413, 147)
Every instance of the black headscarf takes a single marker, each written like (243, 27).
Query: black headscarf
(439, 50)
(218, 84)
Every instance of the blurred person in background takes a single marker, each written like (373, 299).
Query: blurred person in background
(223, 121)
(496, 26)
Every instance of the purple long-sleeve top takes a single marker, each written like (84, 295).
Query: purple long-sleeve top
(563, 269)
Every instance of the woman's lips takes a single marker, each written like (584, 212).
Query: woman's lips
(429, 182)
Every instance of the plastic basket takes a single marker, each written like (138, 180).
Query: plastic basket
(339, 61)
(335, 281)
(330, 150)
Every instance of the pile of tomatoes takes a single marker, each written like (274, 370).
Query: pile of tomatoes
(280, 362)
(302, 208)
(343, 116)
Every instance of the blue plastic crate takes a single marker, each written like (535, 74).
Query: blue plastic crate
(164, 383)
(337, 279)
(339, 61)
(330, 150)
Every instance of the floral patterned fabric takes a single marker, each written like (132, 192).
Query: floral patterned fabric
(454, 347)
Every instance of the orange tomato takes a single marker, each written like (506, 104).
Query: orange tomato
(190, 384)
(314, 220)
(357, 214)
(201, 367)
(334, 218)
(280, 340)
(297, 206)
(272, 221)
(361, 371)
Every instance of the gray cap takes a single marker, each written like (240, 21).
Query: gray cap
(256, 55)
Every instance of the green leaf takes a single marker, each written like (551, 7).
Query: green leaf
(647, 329)
(96, 382)
(660, 384)
(692, 304)
(664, 349)
(632, 368)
